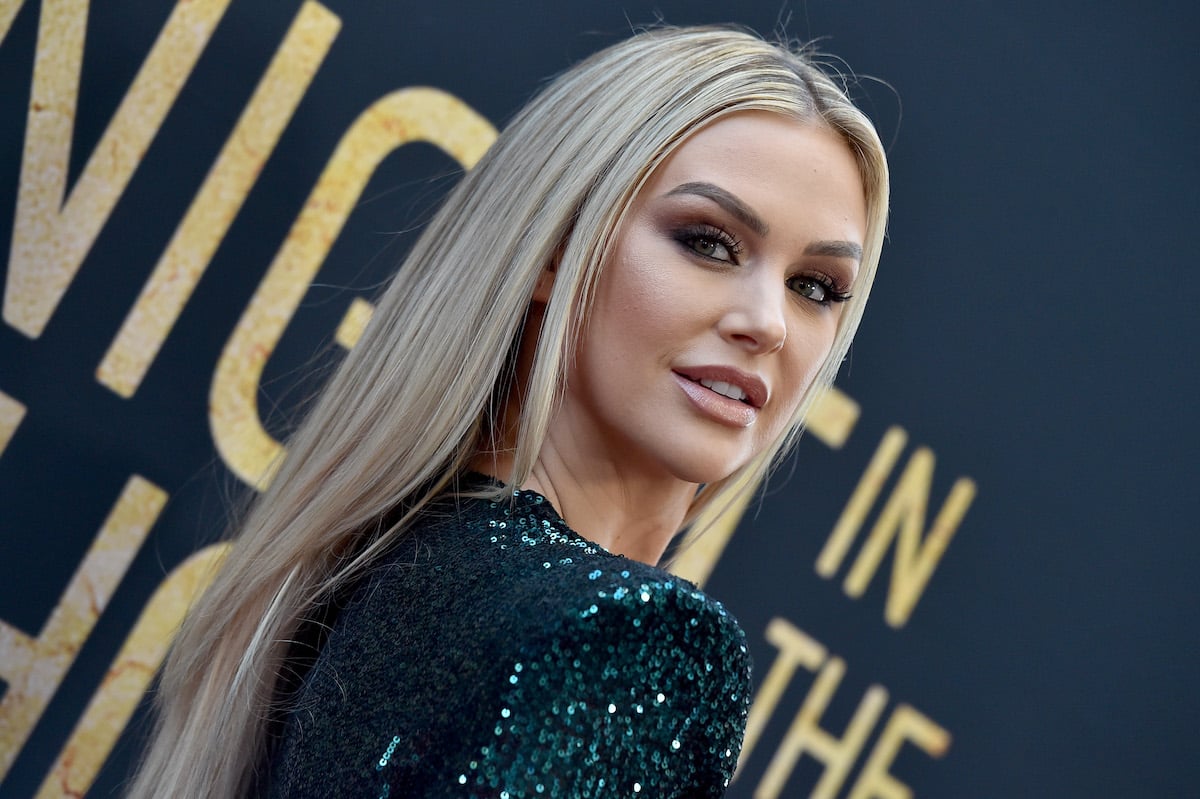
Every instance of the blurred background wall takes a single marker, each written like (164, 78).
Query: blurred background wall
(975, 577)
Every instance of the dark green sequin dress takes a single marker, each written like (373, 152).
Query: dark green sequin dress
(497, 653)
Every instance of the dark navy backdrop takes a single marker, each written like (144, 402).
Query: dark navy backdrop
(1033, 323)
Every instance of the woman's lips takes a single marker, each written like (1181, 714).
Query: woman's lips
(728, 411)
(752, 387)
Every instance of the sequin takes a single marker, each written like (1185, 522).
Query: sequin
(535, 665)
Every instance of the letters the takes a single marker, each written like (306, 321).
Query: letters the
(905, 724)
(805, 735)
(796, 650)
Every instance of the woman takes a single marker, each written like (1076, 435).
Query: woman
(449, 588)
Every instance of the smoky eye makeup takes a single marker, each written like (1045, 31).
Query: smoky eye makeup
(819, 287)
(708, 241)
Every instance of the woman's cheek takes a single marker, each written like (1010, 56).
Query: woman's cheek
(651, 292)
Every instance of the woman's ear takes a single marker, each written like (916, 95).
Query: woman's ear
(545, 283)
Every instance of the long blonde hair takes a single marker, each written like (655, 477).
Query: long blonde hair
(408, 409)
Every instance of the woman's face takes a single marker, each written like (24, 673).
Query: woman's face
(719, 301)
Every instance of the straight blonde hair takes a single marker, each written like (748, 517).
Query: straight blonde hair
(412, 404)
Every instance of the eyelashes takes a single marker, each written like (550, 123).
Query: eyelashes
(818, 288)
(712, 243)
(709, 241)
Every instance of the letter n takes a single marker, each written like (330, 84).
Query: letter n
(902, 519)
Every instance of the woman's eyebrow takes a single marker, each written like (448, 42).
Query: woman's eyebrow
(835, 249)
(727, 201)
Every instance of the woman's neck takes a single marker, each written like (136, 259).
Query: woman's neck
(620, 510)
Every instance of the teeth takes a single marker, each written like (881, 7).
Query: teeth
(725, 389)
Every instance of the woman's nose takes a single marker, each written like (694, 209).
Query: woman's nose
(755, 317)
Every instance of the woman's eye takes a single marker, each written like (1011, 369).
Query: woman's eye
(811, 288)
(711, 248)
(821, 290)
(709, 242)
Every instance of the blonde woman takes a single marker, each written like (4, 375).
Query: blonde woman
(450, 588)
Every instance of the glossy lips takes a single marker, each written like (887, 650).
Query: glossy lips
(724, 389)
(724, 394)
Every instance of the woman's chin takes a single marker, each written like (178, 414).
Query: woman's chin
(706, 468)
